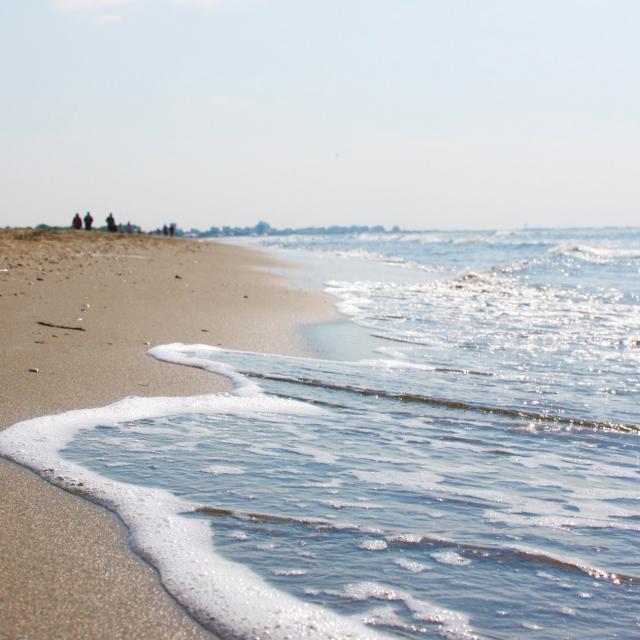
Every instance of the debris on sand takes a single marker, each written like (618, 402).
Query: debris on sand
(59, 326)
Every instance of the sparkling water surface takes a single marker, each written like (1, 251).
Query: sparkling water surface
(478, 476)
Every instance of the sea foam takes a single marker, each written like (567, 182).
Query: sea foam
(224, 595)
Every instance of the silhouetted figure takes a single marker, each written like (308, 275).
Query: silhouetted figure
(88, 221)
(172, 229)
(165, 230)
(77, 222)
(129, 227)
(111, 223)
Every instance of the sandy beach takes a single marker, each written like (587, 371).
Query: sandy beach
(79, 311)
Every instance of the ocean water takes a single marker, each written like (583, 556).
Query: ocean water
(475, 475)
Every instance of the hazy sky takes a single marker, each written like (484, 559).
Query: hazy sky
(422, 113)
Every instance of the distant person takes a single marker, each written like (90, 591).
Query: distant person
(165, 230)
(172, 229)
(77, 222)
(111, 223)
(88, 221)
(129, 227)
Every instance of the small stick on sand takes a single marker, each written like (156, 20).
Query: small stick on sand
(59, 326)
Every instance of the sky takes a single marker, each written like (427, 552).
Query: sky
(421, 113)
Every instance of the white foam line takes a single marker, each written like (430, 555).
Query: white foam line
(176, 353)
(225, 596)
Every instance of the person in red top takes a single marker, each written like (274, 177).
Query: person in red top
(77, 222)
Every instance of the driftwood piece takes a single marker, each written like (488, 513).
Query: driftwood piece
(59, 326)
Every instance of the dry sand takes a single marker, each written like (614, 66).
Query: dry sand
(66, 570)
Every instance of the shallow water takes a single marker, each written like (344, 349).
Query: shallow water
(477, 477)
(391, 510)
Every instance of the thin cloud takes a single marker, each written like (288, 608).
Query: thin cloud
(88, 5)
(97, 5)
(197, 3)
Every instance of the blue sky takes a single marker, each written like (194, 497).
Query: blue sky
(423, 113)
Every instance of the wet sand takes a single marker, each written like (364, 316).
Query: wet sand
(66, 569)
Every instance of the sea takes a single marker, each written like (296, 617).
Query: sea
(460, 460)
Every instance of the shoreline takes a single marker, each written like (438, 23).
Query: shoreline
(67, 568)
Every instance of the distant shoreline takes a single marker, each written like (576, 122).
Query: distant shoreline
(264, 229)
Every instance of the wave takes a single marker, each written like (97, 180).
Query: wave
(452, 404)
(375, 256)
(590, 253)
(506, 554)
(502, 241)
(467, 550)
